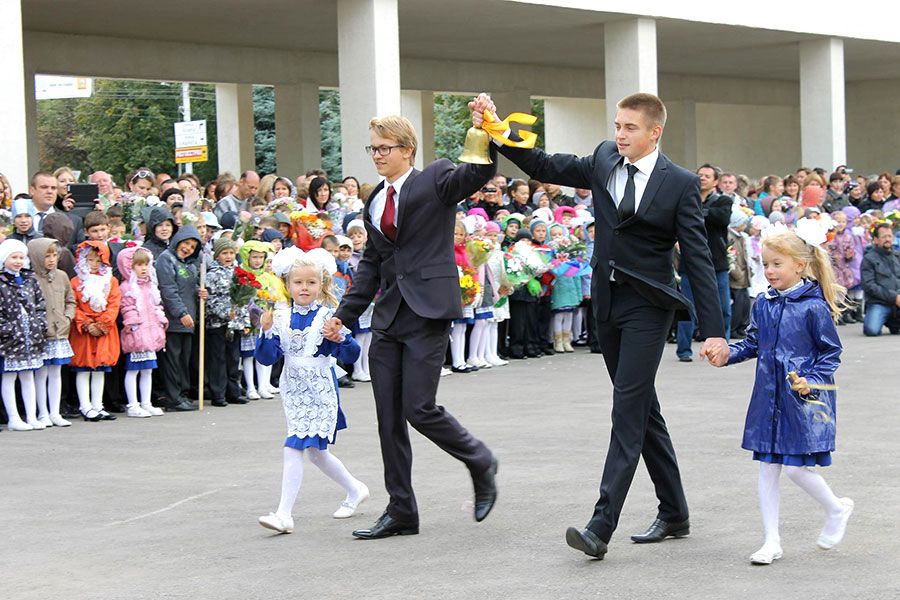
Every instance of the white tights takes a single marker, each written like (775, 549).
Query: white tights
(458, 345)
(89, 385)
(26, 382)
(131, 386)
(562, 321)
(806, 479)
(292, 476)
(578, 322)
(478, 342)
(263, 376)
(361, 366)
(48, 390)
(492, 338)
(247, 366)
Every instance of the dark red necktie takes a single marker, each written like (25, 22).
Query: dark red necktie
(387, 217)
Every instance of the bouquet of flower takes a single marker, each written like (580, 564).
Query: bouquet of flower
(479, 249)
(244, 288)
(522, 263)
(569, 245)
(308, 229)
(266, 299)
(469, 288)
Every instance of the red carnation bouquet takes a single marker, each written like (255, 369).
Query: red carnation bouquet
(244, 286)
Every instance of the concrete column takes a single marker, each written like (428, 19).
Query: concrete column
(823, 122)
(418, 107)
(33, 150)
(574, 125)
(234, 127)
(630, 62)
(298, 132)
(679, 140)
(509, 102)
(369, 75)
(14, 132)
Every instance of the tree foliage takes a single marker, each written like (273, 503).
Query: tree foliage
(264, 127)
(330, 119)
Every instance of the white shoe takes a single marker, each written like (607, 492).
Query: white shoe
(827, 542)
(19, 426)
(59, 421)
(347, 508)
(497, 361)
(362, 377)
(46, 421)
(479, 364)
(253, 395)
(265, 394)
(276, 523)
(137, 412)
(154, 411)
(36, 425)
(445, 371)
(766, 555)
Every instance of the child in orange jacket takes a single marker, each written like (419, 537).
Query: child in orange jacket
(94, 336)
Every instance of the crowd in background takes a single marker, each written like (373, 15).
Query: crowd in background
(99, 304)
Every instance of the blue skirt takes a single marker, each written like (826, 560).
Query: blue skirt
(138, 365)
(815, 459)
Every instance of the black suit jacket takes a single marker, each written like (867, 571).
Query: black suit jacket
(641, 247)
(420, 267)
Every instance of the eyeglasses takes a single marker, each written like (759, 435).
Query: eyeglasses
(143, 173)
(488, 190)
(381, 150)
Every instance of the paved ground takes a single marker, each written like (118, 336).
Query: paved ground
(166, 508)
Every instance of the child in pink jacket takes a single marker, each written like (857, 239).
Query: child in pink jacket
(144, 327)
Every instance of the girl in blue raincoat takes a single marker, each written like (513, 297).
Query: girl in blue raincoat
(791, 418)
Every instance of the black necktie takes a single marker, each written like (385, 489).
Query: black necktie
(626, 206)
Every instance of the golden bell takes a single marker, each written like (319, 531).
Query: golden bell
(476, 149)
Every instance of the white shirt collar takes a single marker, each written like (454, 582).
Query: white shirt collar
(398, 183)
(305, 310)
(645, 165)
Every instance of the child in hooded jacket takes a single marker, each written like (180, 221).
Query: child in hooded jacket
(60, 302)
(95, 338)
(254, 255)
(22, 326)
(143, 327)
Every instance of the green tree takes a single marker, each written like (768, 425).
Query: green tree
(264, 127)
(123, 125)
(330, 121)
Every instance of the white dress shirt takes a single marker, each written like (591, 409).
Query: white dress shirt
(376, 208)
(619, 177)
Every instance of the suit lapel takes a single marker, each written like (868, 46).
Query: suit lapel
(606, 203)
(403, 198)
(367, 211)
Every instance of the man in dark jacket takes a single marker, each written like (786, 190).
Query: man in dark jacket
(880, 272)
(716, 211)
(179, 287)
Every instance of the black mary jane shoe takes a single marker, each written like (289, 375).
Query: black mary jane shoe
(105, 416)
(92, 416)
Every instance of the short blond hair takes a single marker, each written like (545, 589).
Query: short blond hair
(650, 105)
(397, 128)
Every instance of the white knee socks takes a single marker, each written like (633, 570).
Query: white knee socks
(814, 484)
(131, 388)
(98, 378)
(490, 353)
(458, 345)
(40, 394)
(146, 385)
(329, 464)
(291, 478)
(558, 322)
(577, 322)
(475, 342)
(247, 366)
(769, 499)
(89, 385)
(9, 399)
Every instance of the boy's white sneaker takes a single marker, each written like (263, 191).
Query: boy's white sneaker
(827, 541)
(137, 412)
(277, 523)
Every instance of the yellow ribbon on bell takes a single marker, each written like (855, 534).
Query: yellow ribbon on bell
(496, 129)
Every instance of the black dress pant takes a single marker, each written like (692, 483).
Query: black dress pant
(520, 327)
(175, 366)
(543, 324)
(405, 363)
(632, 341)
(740, 311)
(223, 368)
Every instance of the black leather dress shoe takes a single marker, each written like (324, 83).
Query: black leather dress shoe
(485, 491)
(386, 526)
(222, 402)
(465, 369)
(184, 406)
(586, 541)
(241, 400)
(660, 530)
